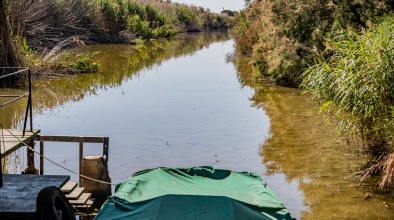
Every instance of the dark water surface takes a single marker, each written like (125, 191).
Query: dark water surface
(178, 103)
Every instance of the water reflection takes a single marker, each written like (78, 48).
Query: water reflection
(304, 148)
(119, 64)
(7, 118)
(187, 111)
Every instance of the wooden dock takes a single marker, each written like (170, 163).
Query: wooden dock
(19, 193)
(10, 140)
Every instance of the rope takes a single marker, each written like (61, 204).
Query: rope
(55, 163)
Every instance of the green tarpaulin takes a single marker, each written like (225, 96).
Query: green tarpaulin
(193, 193)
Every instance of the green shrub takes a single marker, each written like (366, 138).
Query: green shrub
(185, 16)
(164, 31)
(81, 63)
(136, 9)
(86, 63)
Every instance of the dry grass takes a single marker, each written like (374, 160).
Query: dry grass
(382, 165)
(387, 180)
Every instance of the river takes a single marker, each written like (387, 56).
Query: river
(179, 103)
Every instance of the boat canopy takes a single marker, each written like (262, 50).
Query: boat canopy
(193, 193)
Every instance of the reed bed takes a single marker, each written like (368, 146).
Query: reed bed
(354, 80)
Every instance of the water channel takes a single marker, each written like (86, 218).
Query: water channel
(179, 103)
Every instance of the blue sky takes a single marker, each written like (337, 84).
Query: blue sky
(215, 5)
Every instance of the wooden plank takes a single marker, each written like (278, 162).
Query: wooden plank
(81, 200)
(89, 216)
(10, 143)
(86, 210)
(63, 138)
(87, 205)
(80, 159)
(19, 193)
(75, 193)
(68, 187)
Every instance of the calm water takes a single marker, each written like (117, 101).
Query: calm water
(178, 103)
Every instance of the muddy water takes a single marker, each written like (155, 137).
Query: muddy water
(178, 103)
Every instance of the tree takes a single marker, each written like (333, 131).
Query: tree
(9, 56)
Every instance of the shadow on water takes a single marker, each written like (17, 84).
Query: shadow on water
(303, 146)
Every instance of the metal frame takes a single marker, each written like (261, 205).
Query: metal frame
(76, 139)
(29, 108)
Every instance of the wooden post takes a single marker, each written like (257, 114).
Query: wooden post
(96, 168)
(1, 170)
(30, 169)
(80, 157)
(105, 149)
(30, 101)
(41, 157)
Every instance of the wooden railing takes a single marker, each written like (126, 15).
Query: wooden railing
(76, 139)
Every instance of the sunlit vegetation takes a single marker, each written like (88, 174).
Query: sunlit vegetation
(152, 19)
(81, 63)
(45, 23)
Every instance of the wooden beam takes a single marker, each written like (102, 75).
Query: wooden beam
(62, 138)
(73, 139)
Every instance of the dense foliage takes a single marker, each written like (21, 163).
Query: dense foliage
(282, 36)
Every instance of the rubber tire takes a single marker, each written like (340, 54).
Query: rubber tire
(52, 204)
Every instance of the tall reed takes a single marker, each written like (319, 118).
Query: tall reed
(356, 83)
